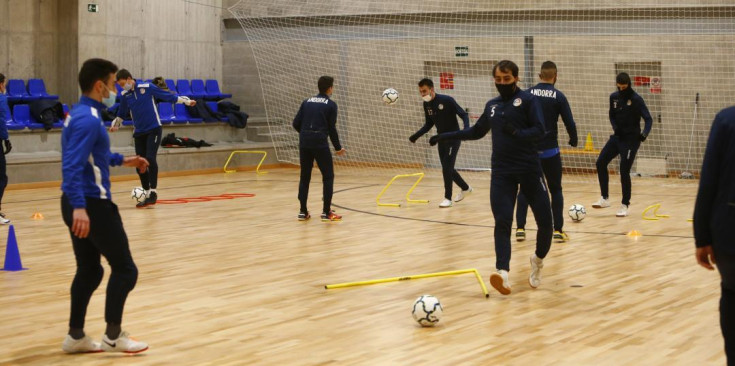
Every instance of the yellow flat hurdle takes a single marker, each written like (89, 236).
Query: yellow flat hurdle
(413, 277)
(408, 194)
(655, 216)
(257, 169)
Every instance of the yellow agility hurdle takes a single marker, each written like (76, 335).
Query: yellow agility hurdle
(257, 169)
(655, 216)
(413, 277)
(408, 194)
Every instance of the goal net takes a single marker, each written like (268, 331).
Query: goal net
(680, 55)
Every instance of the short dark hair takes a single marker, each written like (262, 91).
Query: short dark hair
(2, 78)
(426, 82)
(123, 74)
(505, 66)
(623, 78)
(548, 70)
(93, 70)
(324, 83)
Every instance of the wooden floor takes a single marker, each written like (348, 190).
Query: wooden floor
(241, 281)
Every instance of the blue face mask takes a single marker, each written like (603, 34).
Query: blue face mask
(110, 100)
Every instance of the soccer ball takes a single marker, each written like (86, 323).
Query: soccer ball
(390, 96)
(427, 310)
(138, 194)
(577, 212)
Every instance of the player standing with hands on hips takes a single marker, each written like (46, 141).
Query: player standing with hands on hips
(442, 111)
(315, 120)
(626, 110)
(516, 121)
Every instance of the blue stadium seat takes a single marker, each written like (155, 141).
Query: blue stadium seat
(12, 125)
(165, 113)
(212, 88)
(33, 123)
(197, 88)
(17, 92)
(37, 88)
(215, 108)
(183, 87)
(22, 114)
(171, 85)
(119, 90)
(183, 115)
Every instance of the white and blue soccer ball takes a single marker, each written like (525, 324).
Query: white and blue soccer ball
(427, 310)
(138, 194)
(577, 212)
(390, 96)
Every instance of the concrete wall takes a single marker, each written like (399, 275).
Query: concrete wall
(28, 39)
(169, 38)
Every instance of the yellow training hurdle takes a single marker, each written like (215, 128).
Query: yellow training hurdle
(413, 277)
(656, 216)
(408, 194)
(257, 169)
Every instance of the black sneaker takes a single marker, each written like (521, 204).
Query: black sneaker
(303, 216)
(148, 201)
(520, 234)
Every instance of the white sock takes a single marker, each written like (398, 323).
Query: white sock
(147, 192)
(153, 190)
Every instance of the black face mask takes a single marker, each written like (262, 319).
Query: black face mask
(626, 93)
(506, 90)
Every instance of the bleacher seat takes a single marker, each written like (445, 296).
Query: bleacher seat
(212, 88)
(215, 108)
(17, 92)
(22, 114)
(171, 85)
(119, 90)
(37, 88)
(197, 88)
(165, 113)
(33, 123)
(12, 125)
(183, 88)
(183, 115)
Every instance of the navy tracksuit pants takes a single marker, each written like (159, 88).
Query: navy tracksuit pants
(552, 171)
(503, 193)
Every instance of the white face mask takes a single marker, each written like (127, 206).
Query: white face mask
(110, 100)
(128, 86)
(426, 98)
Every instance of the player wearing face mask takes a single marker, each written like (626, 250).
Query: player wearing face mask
(626, 110)
(442, 111)
(517, 123)
(140, 101)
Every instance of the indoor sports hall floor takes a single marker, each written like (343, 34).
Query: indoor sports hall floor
(241, 281)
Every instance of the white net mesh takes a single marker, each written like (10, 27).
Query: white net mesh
(673, 53)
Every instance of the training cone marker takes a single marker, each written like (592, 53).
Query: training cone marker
(588, 146)
(634, 233)
(12, 255)
(37, 216)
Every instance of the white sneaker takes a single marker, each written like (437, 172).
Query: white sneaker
(446, 203)
(601, 203)
(499, 280)
(536, 264)
(83, 345)
(123, 343)
(623, 211)
(3, 220)
(462, 194)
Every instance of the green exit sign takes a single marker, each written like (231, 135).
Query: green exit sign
(93, 8)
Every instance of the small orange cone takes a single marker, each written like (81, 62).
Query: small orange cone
(634, 234)
(37, 216)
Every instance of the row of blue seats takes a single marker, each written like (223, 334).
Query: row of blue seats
(17, 92)
(22, 118)
(196, 89)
